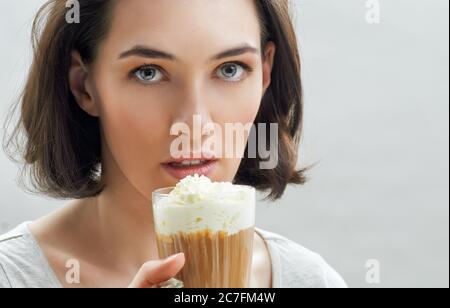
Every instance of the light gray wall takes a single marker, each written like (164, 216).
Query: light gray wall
(376, 117)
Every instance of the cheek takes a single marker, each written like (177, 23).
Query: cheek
(132, 120)
(238, 105)
(135, 128)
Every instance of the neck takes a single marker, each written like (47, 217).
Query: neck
(125, 221)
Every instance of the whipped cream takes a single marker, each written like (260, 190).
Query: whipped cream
(197, 204)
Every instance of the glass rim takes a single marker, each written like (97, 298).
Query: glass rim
(160, 191)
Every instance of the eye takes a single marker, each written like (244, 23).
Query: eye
(148, 74)
(233, 71)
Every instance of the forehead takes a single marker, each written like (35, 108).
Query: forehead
(192, 28)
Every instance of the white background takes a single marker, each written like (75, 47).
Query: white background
(376, 116)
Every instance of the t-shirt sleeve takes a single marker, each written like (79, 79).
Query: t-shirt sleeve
(333, 279)
(305, 268)
(298, 267)
(4, 281)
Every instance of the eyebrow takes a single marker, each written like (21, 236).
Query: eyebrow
(147, 52)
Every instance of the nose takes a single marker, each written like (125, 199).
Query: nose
(193, 113)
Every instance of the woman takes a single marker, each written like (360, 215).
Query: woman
(97, 111)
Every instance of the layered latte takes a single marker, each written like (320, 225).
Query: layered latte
(212, 223)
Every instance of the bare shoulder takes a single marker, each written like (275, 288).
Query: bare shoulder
(58, 235)
(52, 226)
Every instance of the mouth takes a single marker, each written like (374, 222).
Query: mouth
(185, 167)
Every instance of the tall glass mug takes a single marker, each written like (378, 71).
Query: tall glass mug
(215, 232)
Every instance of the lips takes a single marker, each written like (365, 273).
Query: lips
(189, 163)
(182, 168)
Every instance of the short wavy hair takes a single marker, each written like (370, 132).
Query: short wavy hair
(59, 143)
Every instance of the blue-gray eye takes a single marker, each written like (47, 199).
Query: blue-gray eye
(149, 74)
(231, 72)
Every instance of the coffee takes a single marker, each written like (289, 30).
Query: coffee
(213, 225)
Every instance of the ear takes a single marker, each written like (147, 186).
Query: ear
(80, 85)
(268, 59)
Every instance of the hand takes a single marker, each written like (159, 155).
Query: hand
(155, 272)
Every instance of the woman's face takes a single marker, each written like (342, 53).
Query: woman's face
(159, 65)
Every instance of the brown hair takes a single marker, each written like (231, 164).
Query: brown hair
(61, 149)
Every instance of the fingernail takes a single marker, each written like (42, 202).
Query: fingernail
(172, 257)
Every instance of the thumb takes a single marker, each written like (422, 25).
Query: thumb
(156, 271)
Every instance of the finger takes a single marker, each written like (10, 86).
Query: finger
(157, 271)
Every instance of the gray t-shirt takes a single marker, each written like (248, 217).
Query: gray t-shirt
(23, 264)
